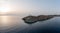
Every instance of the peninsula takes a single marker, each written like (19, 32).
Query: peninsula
(32, 19)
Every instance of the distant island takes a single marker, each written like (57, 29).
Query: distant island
(32, 19)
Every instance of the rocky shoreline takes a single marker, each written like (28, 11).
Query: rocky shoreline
(33, 19)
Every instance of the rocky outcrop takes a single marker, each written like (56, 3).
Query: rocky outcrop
(33, 19)
(30, 19)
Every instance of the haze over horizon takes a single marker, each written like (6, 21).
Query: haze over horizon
(34, 7)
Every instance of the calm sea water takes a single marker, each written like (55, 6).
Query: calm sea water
(15, 24)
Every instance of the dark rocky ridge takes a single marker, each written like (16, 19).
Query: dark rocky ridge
(33, 19)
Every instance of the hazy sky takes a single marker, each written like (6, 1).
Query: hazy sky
(33, 6)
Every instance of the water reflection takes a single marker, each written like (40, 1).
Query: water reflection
(15, 24)
(4, 20)
(7, 22)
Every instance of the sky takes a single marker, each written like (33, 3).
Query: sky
(34, 7)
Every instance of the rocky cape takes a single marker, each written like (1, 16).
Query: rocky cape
(33, 19)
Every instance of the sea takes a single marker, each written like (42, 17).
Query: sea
(15, 24)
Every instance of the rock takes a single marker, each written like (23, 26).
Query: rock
(34, 19)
